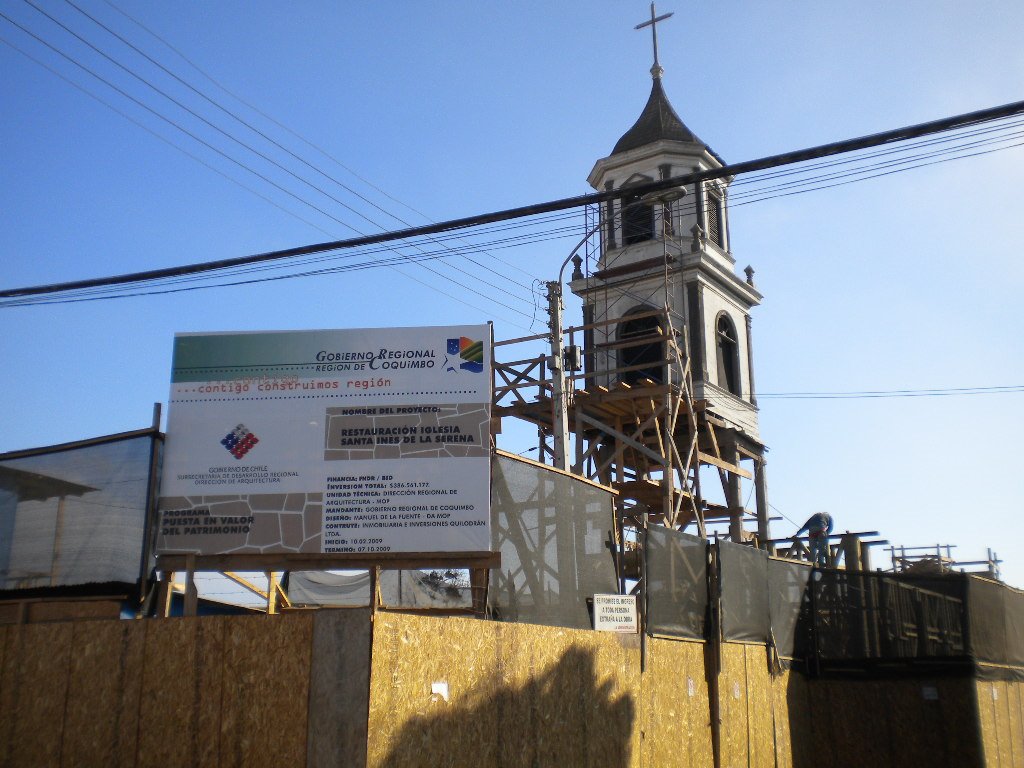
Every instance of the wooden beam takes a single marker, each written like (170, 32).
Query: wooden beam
(191, 606)
(707, 458)
(556, 470)
(245, 583)
(289, 561)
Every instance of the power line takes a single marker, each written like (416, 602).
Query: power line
(292, 132)
(156, 135)
(236, 140)
(876, 393)
(271, 140)
(788, 158)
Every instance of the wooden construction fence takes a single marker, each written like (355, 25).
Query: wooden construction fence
(339, 688)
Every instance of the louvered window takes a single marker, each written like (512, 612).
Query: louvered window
(637, 221)
(715, 228)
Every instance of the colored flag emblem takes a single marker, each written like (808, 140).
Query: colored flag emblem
(239, 441)
(470, 352)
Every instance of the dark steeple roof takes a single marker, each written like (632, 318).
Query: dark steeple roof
(658, 121)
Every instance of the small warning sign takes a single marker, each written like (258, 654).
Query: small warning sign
(616, 613)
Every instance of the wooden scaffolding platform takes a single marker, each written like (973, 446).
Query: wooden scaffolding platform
(639, 430)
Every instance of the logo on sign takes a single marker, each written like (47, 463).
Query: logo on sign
(470, 352)
(239, 441)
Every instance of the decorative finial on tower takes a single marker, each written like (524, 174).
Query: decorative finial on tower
(749, 272)
(577, 267)
(656, 70)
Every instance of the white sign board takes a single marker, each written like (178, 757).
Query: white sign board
(349, 441)
(616, 613)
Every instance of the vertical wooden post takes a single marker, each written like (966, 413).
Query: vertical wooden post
(478, 581)
(191, 606)
(735, 500)
(374, 586)
(150, 526)
(761, 500)
(164, 595)
(271, 593)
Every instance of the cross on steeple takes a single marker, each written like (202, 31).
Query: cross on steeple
(656, 70)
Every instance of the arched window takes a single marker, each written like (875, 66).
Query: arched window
(728, 354)
(648, 347)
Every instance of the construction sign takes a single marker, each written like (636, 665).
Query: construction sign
(345, 441)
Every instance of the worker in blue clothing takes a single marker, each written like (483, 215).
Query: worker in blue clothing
(818, 527)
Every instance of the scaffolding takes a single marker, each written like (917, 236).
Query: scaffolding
(637, 429)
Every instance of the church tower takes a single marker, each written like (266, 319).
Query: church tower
(657, 253)
(664, 260)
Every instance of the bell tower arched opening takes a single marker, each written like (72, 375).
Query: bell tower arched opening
(728, 354)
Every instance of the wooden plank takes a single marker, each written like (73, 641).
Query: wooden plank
(94, 687)
(614, 321)
(167, 712)
(782, 717)
(264, 716)
(339, 693)
(822, 724)
(556, 470)
(243, 582)
(190, 605)
(43, 662)
(211, 682)
(960, 721)
(133, 648)
(733, 706)
(312, 562)
(674, 713)
(714, 461)
(72, 610)
(10, 637)
(1015, 699)
(987, 715)
(461, 692)
(761, 732)
(1001, 705)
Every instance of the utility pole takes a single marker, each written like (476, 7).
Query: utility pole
(559, 404)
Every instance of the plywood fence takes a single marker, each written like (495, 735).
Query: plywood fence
(213, 691)
(1001, 707)
(330, 688)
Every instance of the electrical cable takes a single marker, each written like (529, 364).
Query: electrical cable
(947, 124)
(236, 140)
(285, 128)
(267, 138)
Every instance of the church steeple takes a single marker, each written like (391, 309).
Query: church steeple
(676, 254)
(658, 122)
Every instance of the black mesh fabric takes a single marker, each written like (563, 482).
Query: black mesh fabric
(860, 615)
(1013, 600)
(987, 617)
(677, 591)
(551, 530)
(743, 580)
(789, 606)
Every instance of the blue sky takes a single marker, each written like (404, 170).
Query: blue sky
(910, 281)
